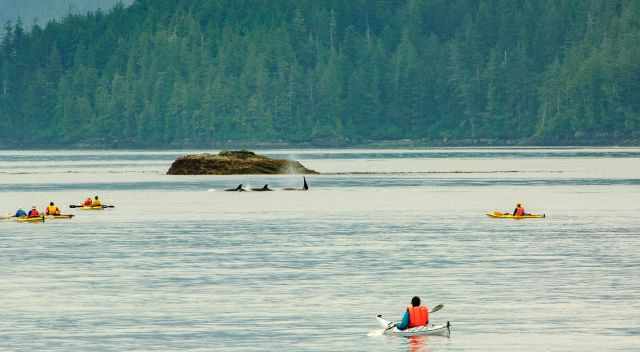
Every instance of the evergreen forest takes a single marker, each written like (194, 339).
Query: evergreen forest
(41, 11)
(199, 73)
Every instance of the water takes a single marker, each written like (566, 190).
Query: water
(179, 265)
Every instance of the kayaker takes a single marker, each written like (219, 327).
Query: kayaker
(96, 202)
(52, 209)
(33, 213)
(416, 315)
(87, 202)
(519, 210)
(20, 213)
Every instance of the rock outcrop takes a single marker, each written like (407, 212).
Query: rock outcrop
(235, 163)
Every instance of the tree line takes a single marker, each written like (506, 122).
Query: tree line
(30, 12)
(188, 73)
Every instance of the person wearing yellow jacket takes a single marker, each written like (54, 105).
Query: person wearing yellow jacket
(52, 209)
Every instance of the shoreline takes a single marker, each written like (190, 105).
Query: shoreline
(391, 144)
(267, 148)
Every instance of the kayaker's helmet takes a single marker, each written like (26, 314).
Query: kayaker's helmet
(518, 205)
(51, 203)
(96, 197)
(33, 207)
(415, 301)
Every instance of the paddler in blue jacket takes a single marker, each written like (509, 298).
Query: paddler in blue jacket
(415, 315)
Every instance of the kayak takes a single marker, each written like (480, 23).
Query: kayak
(26, 219)
(61, 216)
(499, 215)
(430, 330)
(91, 208)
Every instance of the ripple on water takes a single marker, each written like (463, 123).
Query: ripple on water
(176, 268)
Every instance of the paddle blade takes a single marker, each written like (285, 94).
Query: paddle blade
(437, 308)
(391, 326)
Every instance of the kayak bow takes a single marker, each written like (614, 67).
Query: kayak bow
(427, 330)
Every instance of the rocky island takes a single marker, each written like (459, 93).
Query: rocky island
(241, 162)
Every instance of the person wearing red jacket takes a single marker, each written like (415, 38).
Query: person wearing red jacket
(33, 213)
(415, 315)
(519, 210)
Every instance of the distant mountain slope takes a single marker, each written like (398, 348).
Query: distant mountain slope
(171, 73)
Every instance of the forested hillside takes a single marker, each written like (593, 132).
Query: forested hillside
(173, 73)
(41, 11)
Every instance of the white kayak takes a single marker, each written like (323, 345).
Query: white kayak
(432, 330)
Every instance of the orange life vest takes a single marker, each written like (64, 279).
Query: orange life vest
(520, 211)
(87, 202)
(34, 213)
(418, 316)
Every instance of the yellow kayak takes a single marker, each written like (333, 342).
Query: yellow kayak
(61, 216)
(27, 219)
(91, 208)
(500, 215)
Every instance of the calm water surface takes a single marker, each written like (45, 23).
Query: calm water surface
(179, 265)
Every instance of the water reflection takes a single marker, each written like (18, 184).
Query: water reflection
(418, 344)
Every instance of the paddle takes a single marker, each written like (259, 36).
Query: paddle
(391, 327)
(435, 309)
(72, 206)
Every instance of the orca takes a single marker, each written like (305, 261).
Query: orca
(237, 189)
(263, 189)
(305, 186)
